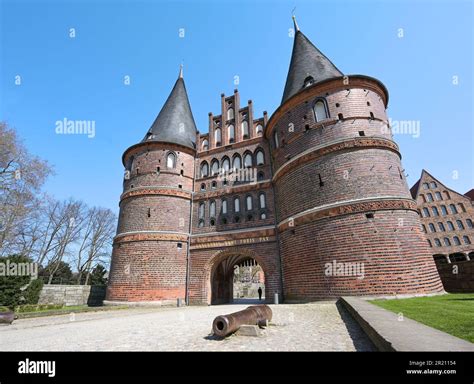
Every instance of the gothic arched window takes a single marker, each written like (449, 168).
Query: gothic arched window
(231, 133)
(214, 167)
(212, 209)
(248, 201)
(201, 210)
(236, 205)
(205, 145)
(218, 136)
(247, 160)
(245, 129)
(260, 157)
(204, 169)
(237, 164)
(226, 164)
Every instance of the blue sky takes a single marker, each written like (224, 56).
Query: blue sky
(82, 78)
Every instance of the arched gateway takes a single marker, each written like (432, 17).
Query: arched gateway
(221, 276)
(213, 283)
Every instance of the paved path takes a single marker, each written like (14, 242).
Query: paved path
(298, 327)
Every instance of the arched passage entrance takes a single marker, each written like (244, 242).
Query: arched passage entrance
(222, 273)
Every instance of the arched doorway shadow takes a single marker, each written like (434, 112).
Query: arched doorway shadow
(220, 276)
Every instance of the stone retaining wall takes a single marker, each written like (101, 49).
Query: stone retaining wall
(72, 295)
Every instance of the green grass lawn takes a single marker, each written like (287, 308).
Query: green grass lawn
(450, 313)
(74, 308)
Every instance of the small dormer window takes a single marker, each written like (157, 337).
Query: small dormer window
(308, 81)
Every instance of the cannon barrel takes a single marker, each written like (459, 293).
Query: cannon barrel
(259, 315)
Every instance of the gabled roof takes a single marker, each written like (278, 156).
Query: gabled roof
(414, 190)
(175, 122)
(306, 61)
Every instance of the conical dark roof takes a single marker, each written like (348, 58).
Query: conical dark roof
(307, 61)
(175, 122)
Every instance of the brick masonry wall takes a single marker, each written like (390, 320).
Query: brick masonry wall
(347, 175)
(391, 245)
(457, 277)
(150, 264)
(72, 295)
(147, 271)
(298, 130)
(395, 258)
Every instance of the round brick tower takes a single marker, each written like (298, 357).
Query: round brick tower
(347, 223)
(150, 251)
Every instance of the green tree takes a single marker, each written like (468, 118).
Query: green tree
(62, 273)
(32, 293)
(98, 275)
(12, 287)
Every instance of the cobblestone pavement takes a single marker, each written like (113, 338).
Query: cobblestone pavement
(319, 326)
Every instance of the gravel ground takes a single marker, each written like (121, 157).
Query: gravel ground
(321, 326)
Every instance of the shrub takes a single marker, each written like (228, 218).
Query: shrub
(4, 309)
(26, 308)
(11, 293)
(33, 291)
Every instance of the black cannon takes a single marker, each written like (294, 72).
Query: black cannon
(259, 315)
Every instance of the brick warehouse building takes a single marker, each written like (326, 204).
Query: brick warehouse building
(318, 183)
(447, 220)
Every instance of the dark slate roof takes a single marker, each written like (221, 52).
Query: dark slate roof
(307, 60)
(470, 194)
(414, 189)
(175, 122)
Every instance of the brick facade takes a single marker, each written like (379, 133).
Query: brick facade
(447, 221)
(319, 183)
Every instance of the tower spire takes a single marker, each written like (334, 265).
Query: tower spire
(295, 23)
(175, 122)
(308, 65)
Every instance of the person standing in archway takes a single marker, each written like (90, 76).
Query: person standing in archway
(260, 293)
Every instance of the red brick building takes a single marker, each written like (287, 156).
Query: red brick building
(446, 219)
(315, 194)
